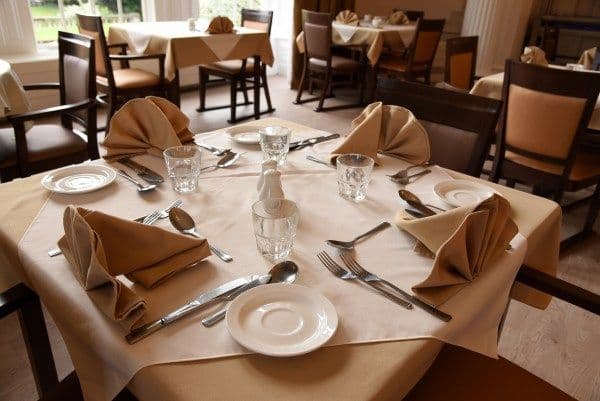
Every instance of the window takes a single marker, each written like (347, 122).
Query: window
(229, 8)
(50, 16)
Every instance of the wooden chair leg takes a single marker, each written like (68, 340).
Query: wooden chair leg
(593, 211)
(301, 86)
(202, 89)
(112, 108)
(325, 91)
(233, 94)
(244, 90)
(263, 74)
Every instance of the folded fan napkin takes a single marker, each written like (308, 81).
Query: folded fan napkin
(390, 129)
(398, 18)
(347, 17)
(220, 25)
(534, 55)
(151, 124)
(587, 58)
(464, 240)
(99, 247)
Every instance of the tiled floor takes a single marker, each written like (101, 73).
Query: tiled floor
(561, 344)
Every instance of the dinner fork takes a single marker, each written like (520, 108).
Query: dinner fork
(164, 213)
(406, 180)
(339, 272)
(360, 272)
(404, 172)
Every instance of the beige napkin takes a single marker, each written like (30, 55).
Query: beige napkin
(151, 124)
(587, 58)
(398, 18)
(347, 17)
(534, 55)
(390, 129)
(220, 25)
(464, 240)
(100, 247)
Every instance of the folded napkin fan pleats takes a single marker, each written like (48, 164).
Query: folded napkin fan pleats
(464, 240)
(146, 125)
(398, 18)
(534, 55)
(220, 25)
(347, 17)
(587, 58)
(388, 129)
(100, 247)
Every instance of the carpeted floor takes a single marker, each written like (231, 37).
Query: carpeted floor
(561, 344)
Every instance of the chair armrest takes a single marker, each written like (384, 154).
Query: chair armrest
(14, 298)
(123, 46)
(136, 56)
(50, 111)
(42, 86)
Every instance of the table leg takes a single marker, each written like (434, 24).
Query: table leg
(256, 87)
(174, 90)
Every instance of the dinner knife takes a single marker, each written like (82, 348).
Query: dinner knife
(202, 301)
(143, 172)
(311, 141)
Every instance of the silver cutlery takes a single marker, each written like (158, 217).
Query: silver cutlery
(340, 272)
(226, 161)
(406, 180)
(360, 272)
(151, 218)
(205, 299)
(140, 187)
(311, 141)
(148, 175)
(404, 172)
(314, 159)
(185, 223)
(283, 272)
(414, 202)
(349, 245)
(214, 150)
(163, 214)
(415, 213)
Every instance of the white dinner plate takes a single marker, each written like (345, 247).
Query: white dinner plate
(462, 192)
(281, 319)
(245, 134)
(78, 179)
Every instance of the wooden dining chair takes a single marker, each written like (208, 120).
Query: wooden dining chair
(239, 73)
(461, 61)
(596, 63)
(460, 126)
(546, 113)
(412, 15)
(417, 59)
(44, 147)
(125, 83)
(321, 66)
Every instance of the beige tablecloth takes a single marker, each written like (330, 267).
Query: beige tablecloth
(491, 86)
(13, 99)
(395, 37)
(185, 48)
(321, 375)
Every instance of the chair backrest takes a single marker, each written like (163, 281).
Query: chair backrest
(91, 25)
(461, 59)
(257, 19)
(412, 15)
(596, 63)
(546, 111)
(77, 71)
(317, 34)
(426, 40)
(460, 126)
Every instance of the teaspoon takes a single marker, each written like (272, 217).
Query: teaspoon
(225, 161)
(349, 245)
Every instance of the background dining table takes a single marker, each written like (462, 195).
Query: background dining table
(381, 370)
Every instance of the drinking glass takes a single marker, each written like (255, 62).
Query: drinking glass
(354, 174)
(183, 166)
(275, 221)
(275, 143)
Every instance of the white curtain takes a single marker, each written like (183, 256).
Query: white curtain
(281, 35)
(16, 27)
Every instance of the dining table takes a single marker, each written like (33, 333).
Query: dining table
(371, 356)
(184, 47)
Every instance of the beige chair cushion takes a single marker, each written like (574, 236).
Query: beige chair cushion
(230, 66)
(587, 165)
(337, 63)
(128, 78)
(43, 142)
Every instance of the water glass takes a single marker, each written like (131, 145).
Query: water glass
(183, 166)
(354, 174)
(275, 221)
(275, 143)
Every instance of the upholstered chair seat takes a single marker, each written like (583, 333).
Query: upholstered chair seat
(129, 78)
(337, 63)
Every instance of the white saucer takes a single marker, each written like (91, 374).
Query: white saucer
(462, 192)
(245, 134)
(281, 319)
(78, 179)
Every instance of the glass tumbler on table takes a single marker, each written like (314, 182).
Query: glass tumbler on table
(275, 221)
(183, 166)
(275, 143)
(353, 176)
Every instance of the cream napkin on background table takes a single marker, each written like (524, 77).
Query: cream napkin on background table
(148, 125)
(347, 17)
(393, 130)
(398, 18)
(464, 240)
(100, 247)
(220, 24)
(587, 58)
(534, 55)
